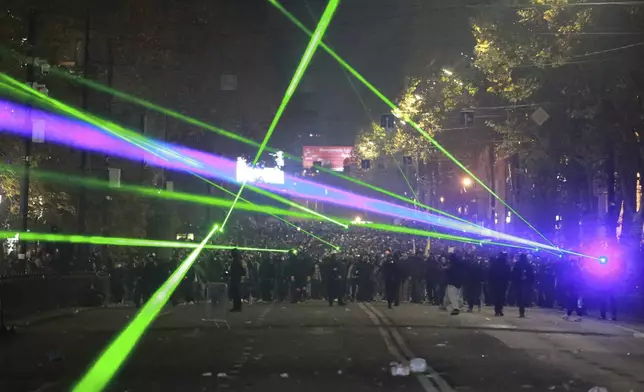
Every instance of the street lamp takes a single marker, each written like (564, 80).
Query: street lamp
(467, 182)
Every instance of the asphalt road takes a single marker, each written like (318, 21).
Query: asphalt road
(312, 347)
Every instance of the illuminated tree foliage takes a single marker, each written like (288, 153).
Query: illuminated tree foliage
(589, 82)
(427, 101)
(48, 204)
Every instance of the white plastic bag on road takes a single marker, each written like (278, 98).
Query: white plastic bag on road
(398, 369)
(418, 365)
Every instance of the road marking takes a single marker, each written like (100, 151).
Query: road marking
(265, 312)
(634, 331)
(440, 381)
(393, 350)
(237, 366)
(424, 382)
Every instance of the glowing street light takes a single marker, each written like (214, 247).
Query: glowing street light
(442, 199)
(467, 182)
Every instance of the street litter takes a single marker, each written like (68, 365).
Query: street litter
(418, 365)
(284, 375)
(441, 345)
(207, 374)
(551, 388)
(598, 389)
(638, 335)
(222, 375)
(339, 372)
(398, 369)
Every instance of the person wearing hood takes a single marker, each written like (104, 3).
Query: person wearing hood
(391, 275)
(523, 281)
(237, 272)
(498, 278)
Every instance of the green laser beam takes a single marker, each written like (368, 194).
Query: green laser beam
(120, 241)
(153, 192)
(366, 109)
(261, 191)
(294, 205)
(273, 215)
(105, 124)
(411, 188)
(389, 103)
(94, 183)
(433, 234)
(192, 121)
(297, 77)
(418, 232)
(129, 135)
(122, 133)
(111, 360)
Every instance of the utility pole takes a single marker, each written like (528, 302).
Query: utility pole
(24, 180)
(84, 158)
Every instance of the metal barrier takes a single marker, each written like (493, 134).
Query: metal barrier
(24, 296)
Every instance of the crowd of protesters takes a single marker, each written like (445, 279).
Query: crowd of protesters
(366, 265)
